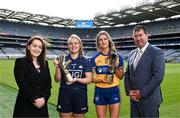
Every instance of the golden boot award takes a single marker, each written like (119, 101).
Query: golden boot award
(113, 57)
(63, 65)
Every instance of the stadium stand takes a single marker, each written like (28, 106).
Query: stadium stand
(162, 33)
(166, 39)
(12, 52)
(2, 55)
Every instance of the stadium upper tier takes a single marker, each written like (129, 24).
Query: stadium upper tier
(168, 26)
(15, 34)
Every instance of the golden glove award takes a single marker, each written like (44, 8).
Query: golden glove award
(113, 57)
(63, 65)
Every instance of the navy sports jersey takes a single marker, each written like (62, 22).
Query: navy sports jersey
(77, 68)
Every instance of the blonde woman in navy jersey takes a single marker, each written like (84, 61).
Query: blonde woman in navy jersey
(107, 94)
(72, 100)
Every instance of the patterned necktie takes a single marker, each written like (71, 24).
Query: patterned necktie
(138, 56)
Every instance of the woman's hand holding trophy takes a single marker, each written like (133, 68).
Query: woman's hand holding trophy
(63, 65)
(112, 58)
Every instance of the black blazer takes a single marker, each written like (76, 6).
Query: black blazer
(31, 85)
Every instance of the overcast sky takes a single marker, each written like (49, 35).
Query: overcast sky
(75, 9)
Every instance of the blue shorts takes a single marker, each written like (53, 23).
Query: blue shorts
(106, 96)
(73, 101)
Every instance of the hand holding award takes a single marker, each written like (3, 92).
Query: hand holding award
(113, 57)
(63, 65)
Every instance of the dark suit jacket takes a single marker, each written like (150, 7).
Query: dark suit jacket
(147, 76)
(31, 85)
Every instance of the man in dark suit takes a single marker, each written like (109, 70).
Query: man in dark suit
(143, 76)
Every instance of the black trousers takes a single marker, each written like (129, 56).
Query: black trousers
(138, 109)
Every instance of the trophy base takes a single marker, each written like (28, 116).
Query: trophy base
(69, 77)
(109, 78)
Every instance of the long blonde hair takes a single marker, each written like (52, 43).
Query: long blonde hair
(111, 44)
(79, 41)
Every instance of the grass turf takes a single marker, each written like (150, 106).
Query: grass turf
(170, 88)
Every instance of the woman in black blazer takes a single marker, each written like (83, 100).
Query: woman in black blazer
(33, 79)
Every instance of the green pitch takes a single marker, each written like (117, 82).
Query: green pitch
(170, 88)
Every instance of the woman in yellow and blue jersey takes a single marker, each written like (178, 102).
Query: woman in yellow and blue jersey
(107, 93)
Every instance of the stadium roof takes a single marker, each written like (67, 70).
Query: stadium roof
(144, 12)
(33, 18)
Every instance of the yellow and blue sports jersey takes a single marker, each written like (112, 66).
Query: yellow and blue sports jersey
(101, 64)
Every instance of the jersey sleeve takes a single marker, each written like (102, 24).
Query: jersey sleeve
(88, 67)
(121, 63)
(92, 62)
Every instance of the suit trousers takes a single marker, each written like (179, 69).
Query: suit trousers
(140, 110)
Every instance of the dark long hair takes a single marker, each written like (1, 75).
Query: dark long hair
(42, 57)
